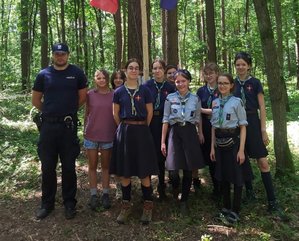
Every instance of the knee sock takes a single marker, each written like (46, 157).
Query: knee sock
(267, 180)
(237, 199)
(175, 179)
(212, 169)
(225, 187)
(186, 184)
(93, 191)
(147, 193)
(126, 192)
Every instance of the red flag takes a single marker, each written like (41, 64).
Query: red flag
(110, 6)
(168, 4)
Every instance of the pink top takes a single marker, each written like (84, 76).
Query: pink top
(99, 124)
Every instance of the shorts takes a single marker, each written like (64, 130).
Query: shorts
(94, 145)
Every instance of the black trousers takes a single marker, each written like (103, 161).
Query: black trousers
(186, 182)
(58, 141)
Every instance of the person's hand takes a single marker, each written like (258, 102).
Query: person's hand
(201, 138)
(163, 149)
(212, 154)
(265, 137)
(240, 157)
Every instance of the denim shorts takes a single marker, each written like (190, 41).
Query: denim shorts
(94, 145)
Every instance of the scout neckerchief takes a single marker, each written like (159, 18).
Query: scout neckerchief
(183, 101)
(132, 97)
(222, 103)
(158, 98)
(211, 92)
(242, 85)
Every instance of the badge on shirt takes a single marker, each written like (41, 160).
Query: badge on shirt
(192, 113)
(175, 111)
(227, 116)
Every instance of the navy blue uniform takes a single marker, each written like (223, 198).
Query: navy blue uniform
(206, 97)
(58, 137)
(254, 145)
(133, 148)
(164, 89)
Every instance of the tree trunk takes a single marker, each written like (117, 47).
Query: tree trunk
(44, 34)
(25, 44)
(163, 30)
(101, 42)
(211, 31)
(296, 18)
(125, 45)
(284, 162)
(134, 30)
(62, 21)
(223, 30)
(84, 39)
(118, 37)
(172, 43)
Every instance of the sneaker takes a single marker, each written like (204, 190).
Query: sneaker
(222, 217)
(93, 202)
(118, 193)
(70, 213)
(125, 212)
(233, 218)
(184, 209)
(275, 210)
(106, 201)
(146, 217)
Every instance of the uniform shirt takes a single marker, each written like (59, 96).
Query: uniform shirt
(252, 87)
(176, 111)
(203, 93)
(234, 113)
(165, 89)
(142, 97)
(60, 89)
(100, 125)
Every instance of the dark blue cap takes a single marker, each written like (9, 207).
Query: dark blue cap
(185, 73)
(60, 47)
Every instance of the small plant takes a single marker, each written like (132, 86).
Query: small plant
(206, 237)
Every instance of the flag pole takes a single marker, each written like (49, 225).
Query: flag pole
(144, 40)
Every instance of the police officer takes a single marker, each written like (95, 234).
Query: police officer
(159, 88)
(58, 92)
(182, 111)
(227, 147)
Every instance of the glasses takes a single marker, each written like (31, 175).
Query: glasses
(131, 68)
(223, 83)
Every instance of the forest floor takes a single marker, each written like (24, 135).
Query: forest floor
(20, 197)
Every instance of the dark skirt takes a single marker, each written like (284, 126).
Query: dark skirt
(184, 150)
(134, 152)
(254, 145)
(227, 167)
(156, 130)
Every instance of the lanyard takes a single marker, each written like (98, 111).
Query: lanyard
(158, 98)
(183, 101)
(222, 103)
(132, 97)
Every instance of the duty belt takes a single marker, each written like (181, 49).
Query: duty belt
(54, 119)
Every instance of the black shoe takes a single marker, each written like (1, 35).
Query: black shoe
(276, 211)
(93, 202)
(106, 201)
(196, 185)
(184, 209)
(43, 213)
(70, 213)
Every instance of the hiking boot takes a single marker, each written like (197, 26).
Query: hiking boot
(93, 202)
(42, 213)
(275, 210)
(146, 217)
(125, 212)
(106, 201)
(184, 209)
(118, 193)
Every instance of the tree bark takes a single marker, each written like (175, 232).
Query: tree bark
(284, 162)
(211, 31)
(44, 34)
(296, 18)
(118, 37)
(62, 21)
(172, 43)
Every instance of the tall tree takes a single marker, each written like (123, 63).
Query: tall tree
(118, 37)
(284, 160)
(172, 43)
(44, 33)
(296, 18)
(25, 44)
(211, 31)
(62, 21)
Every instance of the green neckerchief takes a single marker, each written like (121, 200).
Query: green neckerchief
(222, 103)
(158, 98)
(211, 92)
(242, 84)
